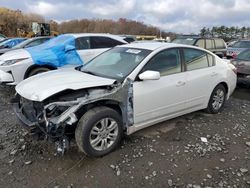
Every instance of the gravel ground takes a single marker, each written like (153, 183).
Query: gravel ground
(195, 150)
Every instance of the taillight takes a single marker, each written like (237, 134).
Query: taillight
(230, 64)
(234, 55)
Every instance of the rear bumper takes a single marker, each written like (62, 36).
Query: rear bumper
(243, 70)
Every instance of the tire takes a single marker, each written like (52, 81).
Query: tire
(91, 127)
(38, 70)
(217, 100)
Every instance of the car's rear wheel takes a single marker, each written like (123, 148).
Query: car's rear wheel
(99, 131)
(217, 99)
(38, 70)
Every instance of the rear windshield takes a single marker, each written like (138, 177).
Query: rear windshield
(245, 55)
(241, 44)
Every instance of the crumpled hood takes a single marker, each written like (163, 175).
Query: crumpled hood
(14, 54)
(42, 86)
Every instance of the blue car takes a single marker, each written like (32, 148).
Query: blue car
(11, 42)
(237, 47)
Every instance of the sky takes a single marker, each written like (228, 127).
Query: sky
(181, 16)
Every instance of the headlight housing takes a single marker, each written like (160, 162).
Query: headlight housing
(12, 61)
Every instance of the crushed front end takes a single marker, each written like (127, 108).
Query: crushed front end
(46, 121)
(39, 118)
(56, 118)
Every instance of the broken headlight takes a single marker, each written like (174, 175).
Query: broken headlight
(59, 112)
(54, 110)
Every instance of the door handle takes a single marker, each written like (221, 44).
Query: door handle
(214, 74)
(180, 83)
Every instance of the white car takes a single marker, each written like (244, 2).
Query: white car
(18, 65)
(123, 90)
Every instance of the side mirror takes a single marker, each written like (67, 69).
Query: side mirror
(69, 48)
(150, 75)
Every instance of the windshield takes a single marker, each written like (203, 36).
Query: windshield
(245, 55)
(116, 63)
(188, 41)
(20, 45)
(241, 44)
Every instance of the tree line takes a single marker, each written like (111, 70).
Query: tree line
(121, 26)
(227, 33)
(13, 20)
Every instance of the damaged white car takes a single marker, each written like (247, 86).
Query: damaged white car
(123, 90)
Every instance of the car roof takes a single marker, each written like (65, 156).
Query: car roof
(153, 45)
(42, 37)
(195, 37)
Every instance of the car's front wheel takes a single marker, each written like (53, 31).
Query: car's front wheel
(217, 99)
(99, 131)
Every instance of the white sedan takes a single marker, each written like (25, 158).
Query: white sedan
(18, 65)
(123, 90)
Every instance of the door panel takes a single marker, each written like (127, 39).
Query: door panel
(157, 98)
(199, 86)
(154, 99)
(201, 76)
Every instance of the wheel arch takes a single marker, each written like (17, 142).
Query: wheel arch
(224, 84)
(32, 67)
(117, 106)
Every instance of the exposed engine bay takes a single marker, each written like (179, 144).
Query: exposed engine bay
(55, 118)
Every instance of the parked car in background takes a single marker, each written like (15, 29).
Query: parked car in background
(242, 63)
(128, 38)
(9, 43)
(2, 37)
(68, 50)
(112, 94)
(231, 42)
(238, 47)
(26, 44)
(215, 45)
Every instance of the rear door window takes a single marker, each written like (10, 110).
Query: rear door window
(103, 42)
(195, 59)
(82, 43)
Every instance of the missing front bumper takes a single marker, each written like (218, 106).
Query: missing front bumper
(24, 121)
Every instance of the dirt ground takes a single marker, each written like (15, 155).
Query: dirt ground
(170, 154)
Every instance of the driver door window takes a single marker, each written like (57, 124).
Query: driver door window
(166, 62)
